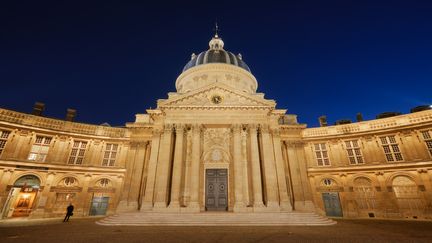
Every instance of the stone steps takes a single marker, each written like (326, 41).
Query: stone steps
(214, 219)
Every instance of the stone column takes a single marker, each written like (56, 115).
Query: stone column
(238, 176)
(285, 203)
(147, 203)
(256, 168)
(269, 167)
(194, 181)
(136, 174)
(245, 167)
(185, 190)
(163, 172)
(126, 198)
(177, 168)
(144, 174)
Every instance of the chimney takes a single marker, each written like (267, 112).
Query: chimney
(70, 115)
(359, 117)
(38, 108)
(322, 121)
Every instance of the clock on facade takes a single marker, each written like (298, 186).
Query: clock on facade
(216, 99)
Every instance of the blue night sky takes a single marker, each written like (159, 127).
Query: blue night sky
(111, 60)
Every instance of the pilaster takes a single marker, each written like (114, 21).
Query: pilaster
(269, 167)
(147, 203)
(194, 181)
(256, 169)
(239, 204)
(285, 203)
(164, 168)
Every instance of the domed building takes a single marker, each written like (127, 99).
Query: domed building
(216, 145)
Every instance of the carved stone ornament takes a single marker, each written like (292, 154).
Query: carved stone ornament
(214, 96)
(216, 145)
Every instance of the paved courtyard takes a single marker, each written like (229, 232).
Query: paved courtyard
(85, 230)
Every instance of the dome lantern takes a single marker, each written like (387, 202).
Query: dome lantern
(216, 43)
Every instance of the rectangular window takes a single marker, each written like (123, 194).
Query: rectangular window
(321, 154)
(427, 136)
(40, 148)
(391, 149)
(3, 139)
(110, 154)
(77, 153)
(354, 153)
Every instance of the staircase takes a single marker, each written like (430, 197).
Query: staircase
(216, 219)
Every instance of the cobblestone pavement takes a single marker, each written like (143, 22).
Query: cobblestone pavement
(85, 230)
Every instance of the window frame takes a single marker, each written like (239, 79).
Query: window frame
(77, 156)
(391, 145)
(109, 156)
(4, 139)
(323, 151)
(427, 141)
(40, 145)
(353, 148)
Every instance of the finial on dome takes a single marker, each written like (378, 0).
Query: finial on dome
(216, 29)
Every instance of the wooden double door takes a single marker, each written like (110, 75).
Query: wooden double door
(216, 194)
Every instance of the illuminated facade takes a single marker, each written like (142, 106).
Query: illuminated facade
(216, 145)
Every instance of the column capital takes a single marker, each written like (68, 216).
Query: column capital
(294, 143)
(264, 128)
(180, 128)
(236, 128)
(253, 127)
(168, 127)
(275, 131)
(156, 131)
(196, 127)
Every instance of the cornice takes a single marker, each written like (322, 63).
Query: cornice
(413, 120)
(371, 168)
(23, 165)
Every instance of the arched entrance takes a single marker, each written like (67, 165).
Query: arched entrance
(22, 197)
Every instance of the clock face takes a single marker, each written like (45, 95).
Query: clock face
(216, 99)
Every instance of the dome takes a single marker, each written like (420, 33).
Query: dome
(216, 54)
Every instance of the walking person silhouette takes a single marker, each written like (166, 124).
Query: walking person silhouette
(69, 212)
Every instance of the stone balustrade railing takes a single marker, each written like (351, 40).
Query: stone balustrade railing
(60, 125)
(372, 125)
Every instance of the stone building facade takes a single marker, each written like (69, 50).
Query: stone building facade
(216, 145)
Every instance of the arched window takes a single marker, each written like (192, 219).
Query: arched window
(27, 181)
(364, 194)
(407, 195)
(70, 182)
(104, 183)
(328, 182)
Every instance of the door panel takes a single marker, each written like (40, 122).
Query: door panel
(99, 206)
(216, 190)
(332, 204)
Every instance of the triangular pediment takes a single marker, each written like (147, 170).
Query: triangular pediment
(216, 95)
